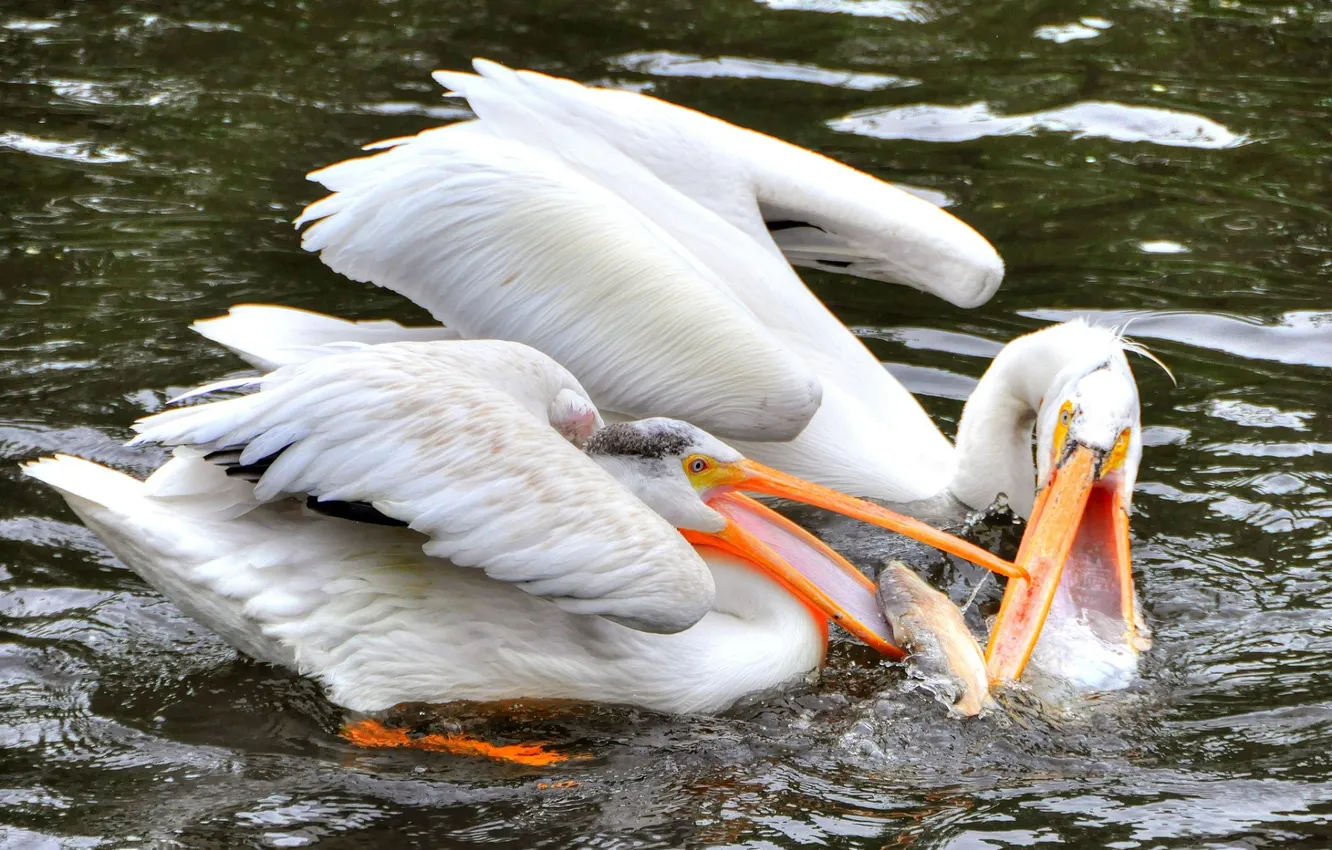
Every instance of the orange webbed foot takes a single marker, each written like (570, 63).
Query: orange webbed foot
(373, 734)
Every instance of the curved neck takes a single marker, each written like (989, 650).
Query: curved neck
(994, 451)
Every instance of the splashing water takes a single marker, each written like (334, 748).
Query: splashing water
(1080, 650)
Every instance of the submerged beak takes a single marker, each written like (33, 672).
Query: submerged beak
(763, 479)
(1078, 534)
(816, 575)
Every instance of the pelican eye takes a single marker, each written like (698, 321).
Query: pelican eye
(697, 465)
(1061, 431)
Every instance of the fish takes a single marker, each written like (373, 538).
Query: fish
(930, 628)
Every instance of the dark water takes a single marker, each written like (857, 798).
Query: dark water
(1164, 159)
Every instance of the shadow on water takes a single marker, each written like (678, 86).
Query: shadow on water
(1164, 161)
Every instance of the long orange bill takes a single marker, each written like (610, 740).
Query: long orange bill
(765, 479)
(1078, 535)
(816, 575)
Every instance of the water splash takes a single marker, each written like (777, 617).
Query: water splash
(1079, 651)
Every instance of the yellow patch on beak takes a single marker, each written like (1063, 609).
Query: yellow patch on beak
(705, 473)
(1115, 459)
(1061, 431)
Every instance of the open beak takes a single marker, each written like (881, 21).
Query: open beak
(1077, 536)
(764, 479)
(816, 575)
(823, 580)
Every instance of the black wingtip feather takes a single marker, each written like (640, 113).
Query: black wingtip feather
(354, 511)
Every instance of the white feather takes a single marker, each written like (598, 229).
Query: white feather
(454, 438)
(863, 428)
(500, 243)
(862, 432)
(366, 612)
(269, 336)
(749, 179)
(216, 387)
(711, 189)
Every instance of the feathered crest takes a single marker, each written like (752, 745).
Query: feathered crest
(1135, 347)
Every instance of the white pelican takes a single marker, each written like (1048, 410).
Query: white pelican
(1070, 371)
(640, 244)
(1073, 384)
(530, 568)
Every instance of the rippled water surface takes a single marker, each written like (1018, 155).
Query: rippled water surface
(1160, 160)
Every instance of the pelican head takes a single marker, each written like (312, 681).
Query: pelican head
(1093, 409)
(690, 478)
(1088, 447)
(665, 463)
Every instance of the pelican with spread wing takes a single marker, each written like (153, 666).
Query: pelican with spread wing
(416, 522)
(645, 247)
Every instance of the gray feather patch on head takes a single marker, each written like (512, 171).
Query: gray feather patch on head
(650, 439)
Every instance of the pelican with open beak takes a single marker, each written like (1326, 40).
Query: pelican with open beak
(452, 520)
(712, 512)
(1076, 545)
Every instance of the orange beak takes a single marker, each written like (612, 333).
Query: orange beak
(805, 566)
(1077, 536)
(801, 563)
(764, 479)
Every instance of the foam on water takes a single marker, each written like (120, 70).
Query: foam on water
(947, 690)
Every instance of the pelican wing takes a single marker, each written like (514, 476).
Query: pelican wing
(455, 440)
(269, 336)
(758, 276)
(816, 211)
(499, 240)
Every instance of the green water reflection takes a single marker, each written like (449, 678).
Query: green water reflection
(152, 157)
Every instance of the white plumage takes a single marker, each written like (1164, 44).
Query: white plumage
(500, 243)
(643, 246)
(713, 191)
(683, 191)
(816, 211)
(994, 452)
(460, 439)
(365, 611)
(456, 440)
(269, 338)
